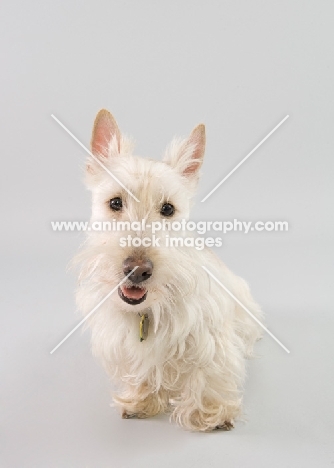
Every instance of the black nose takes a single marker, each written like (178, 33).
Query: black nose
(142, 273)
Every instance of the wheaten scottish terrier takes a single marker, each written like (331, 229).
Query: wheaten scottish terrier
(170, 337)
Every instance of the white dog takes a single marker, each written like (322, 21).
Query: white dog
(170, 337)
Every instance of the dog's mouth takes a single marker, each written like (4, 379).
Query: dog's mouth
(132, 295)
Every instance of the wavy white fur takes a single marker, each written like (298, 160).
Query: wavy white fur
(192, 363)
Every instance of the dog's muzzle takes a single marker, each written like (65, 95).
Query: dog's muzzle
(136, 293)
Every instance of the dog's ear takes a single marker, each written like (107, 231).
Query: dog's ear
(106, 135)
(194, 149)
(187, 156)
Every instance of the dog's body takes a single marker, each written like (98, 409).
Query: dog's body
(192, 361)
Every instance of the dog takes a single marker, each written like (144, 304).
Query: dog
(169, 336)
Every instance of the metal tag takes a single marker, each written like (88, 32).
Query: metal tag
(143, 327)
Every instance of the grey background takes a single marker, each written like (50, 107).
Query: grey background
(161, 68)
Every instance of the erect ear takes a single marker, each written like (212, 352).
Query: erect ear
(106, 135)
(195, 148)
(187, 156)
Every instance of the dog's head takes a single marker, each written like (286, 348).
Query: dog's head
(126, 188)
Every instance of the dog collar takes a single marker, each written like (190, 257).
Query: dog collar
(143, 326)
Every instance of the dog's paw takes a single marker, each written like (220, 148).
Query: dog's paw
(127, 415)
(226, 426)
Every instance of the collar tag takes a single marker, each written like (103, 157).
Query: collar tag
(143, 327)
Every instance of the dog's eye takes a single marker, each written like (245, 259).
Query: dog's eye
(167, 209)
(116, 204)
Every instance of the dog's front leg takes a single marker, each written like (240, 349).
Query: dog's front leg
(141, 401)
(202, 407)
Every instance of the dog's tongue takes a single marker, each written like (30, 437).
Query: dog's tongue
(133, 292)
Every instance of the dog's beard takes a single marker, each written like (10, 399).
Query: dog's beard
(101, 271)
